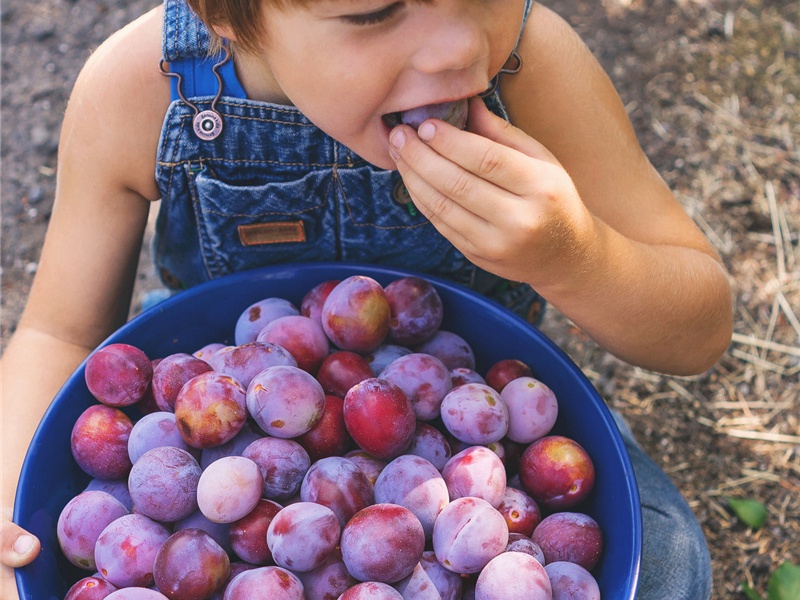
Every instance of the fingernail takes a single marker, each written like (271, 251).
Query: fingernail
(426, 131)
(397, 139)
(24, 544)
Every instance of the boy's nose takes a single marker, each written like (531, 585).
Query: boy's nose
(454, 45)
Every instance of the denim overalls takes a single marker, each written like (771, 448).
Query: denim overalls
(273, 188)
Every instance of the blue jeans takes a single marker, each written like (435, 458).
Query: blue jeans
(675, 561)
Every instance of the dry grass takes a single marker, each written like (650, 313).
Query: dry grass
(713, 89)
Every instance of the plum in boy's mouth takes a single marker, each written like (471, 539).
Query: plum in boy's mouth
(454, 113)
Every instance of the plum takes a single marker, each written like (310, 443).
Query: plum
(153, 430)
(477, 472)
(570, 581)
(283, 465)
(248, 360)
(557, 472)
(468, 533)
(303, 535)
(475, 413)
(570, 536)
(163, 484)
(99, 442)
(90, 588)
(455, 113)
(126, 549)
(190, 565)
(328, 436)
(285, 401)
(424, 379)
(430, 581)
(431, 444)
(82, 521)
(118, 374)
(253, 319)
(171, 373)
(302, 336)
(449, 347)
(339, 484)
(416, 310)
(371, 590)
(532, 409)
(520, 511)
(513, 576)
(248, 535)
(382, 542)
(229, 489)
(265, 583)
(522, 543)
(210, 409)
(379, 417)
(341, 370)
(414, 483)
(314, 299)
(329, 580)
(356, 314)
(505, 370)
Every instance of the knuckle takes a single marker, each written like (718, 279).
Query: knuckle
(461, 185)
(437, 207)
(490, 163)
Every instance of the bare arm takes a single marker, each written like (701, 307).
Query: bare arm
(568, 202)
(82, 290)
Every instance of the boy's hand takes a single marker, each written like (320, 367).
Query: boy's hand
(17, 548)
(498, 195)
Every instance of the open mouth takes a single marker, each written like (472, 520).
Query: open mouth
(454, 113)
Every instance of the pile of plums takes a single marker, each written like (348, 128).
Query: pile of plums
(344, 449)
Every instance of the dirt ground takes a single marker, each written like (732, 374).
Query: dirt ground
(713, 89)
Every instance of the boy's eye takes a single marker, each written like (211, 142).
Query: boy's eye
(374, 17)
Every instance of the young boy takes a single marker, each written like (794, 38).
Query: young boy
(297, 148)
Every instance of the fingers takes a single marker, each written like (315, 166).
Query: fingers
(17, 546)
(449, 196)
(466, 166)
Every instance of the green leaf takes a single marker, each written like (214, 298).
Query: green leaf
(784, 583)
(750, 592)
(750, 512)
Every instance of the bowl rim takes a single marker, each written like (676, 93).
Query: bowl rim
(22, 508)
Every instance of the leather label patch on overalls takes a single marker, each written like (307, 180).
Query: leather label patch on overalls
(272, 233)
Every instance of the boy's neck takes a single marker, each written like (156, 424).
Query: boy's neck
(257, 79)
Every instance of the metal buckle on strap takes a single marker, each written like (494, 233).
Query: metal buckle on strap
(207, 124)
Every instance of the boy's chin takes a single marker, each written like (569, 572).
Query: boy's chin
(380, 158)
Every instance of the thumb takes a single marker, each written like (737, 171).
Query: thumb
(485, 123)
(17, 546)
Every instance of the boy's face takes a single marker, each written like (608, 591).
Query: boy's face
(347, 63)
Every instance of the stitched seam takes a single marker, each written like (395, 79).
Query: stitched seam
(199, 217)
(263, 214)
(357, 224)
(172, 171)
(245, 161)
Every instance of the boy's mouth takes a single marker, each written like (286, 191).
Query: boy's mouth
(454, 113)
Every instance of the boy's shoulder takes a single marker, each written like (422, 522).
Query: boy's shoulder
(117, 107)
(127, 62)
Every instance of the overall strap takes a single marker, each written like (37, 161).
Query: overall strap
(186, 45)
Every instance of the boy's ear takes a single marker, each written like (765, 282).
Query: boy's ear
(224, 31)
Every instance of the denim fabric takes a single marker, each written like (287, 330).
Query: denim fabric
(270, 165)
(675, 559)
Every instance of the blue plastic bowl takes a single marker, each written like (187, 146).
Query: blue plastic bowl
(208, 313)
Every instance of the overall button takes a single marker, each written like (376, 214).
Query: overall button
(403, 198)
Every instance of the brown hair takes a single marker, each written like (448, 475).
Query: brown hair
(242, 16)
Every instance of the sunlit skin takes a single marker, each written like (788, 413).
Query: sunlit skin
(564, 200)
(416, 54)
